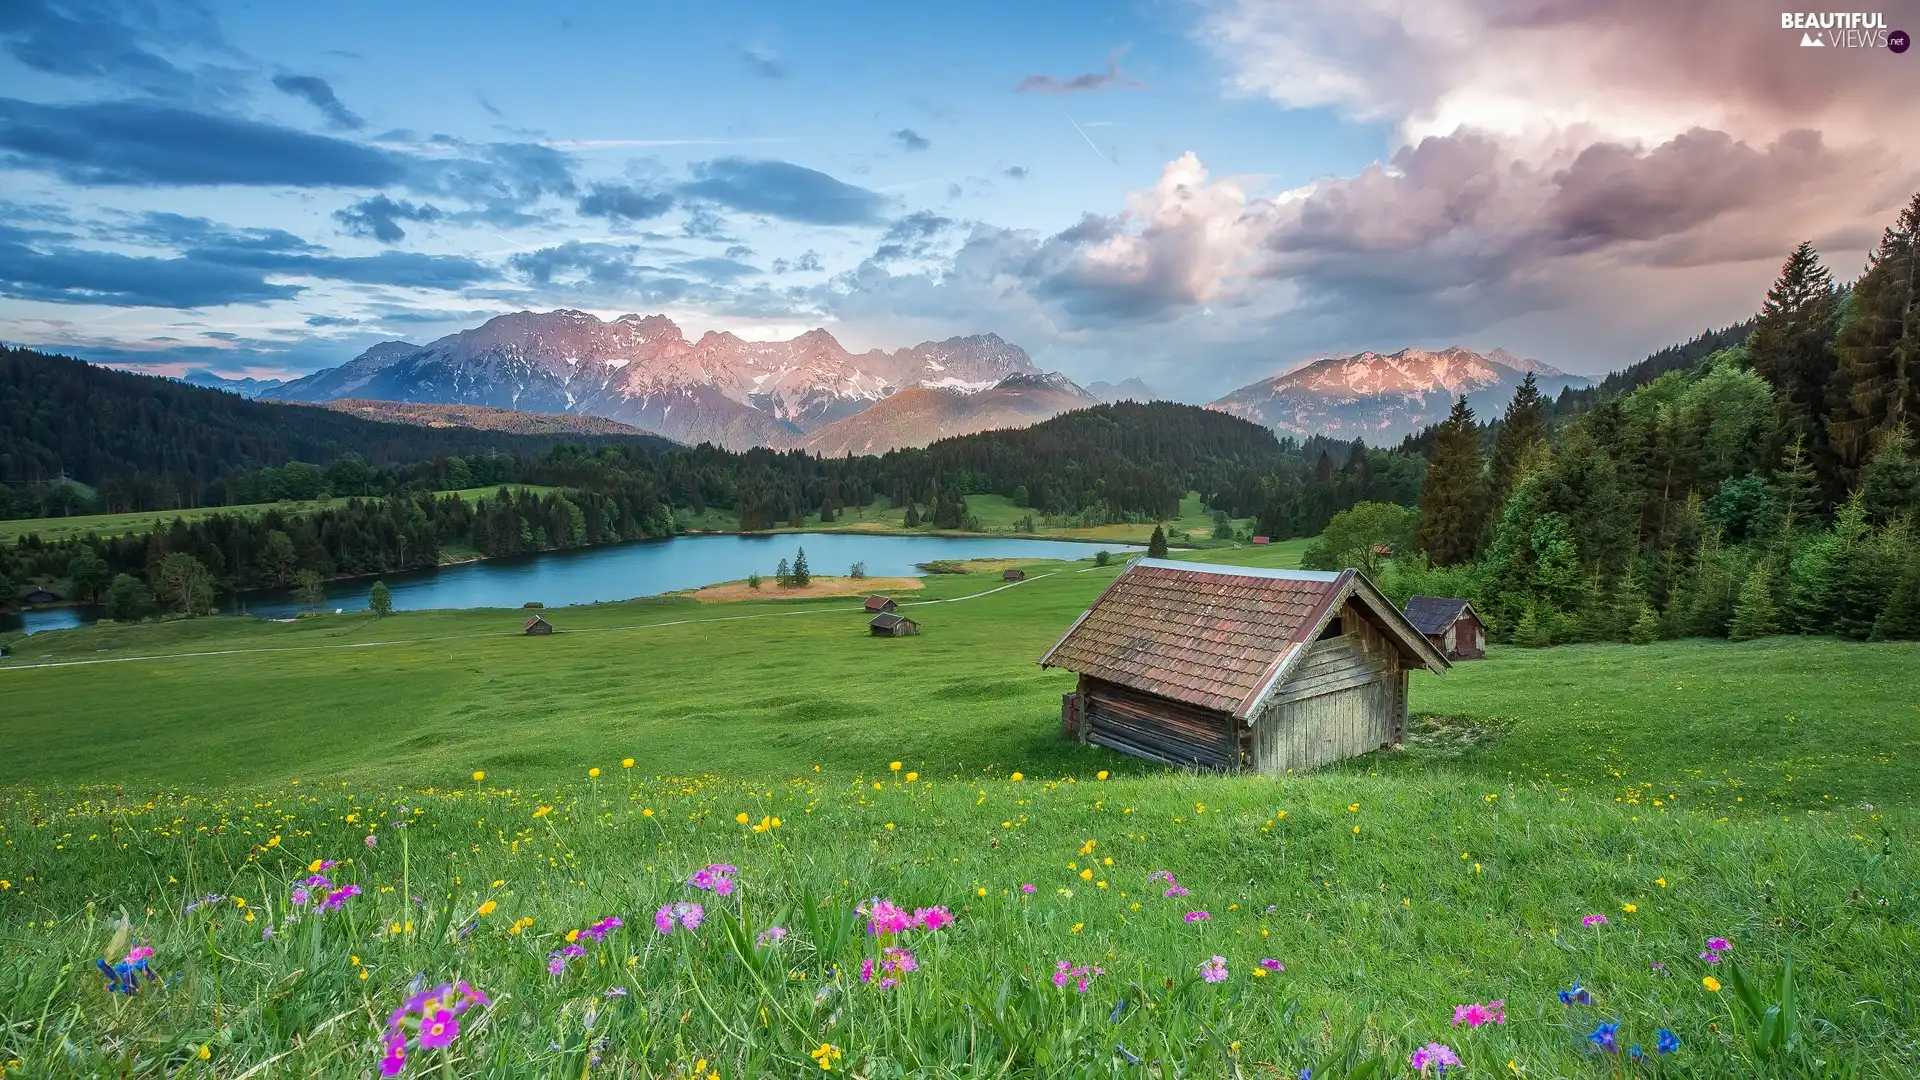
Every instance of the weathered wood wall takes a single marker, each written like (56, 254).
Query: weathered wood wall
(1157, 728)
(1347, 697)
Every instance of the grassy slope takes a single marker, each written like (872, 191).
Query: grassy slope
(143, 522)
(996, 514)
(1768, 787)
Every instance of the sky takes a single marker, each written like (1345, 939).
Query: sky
(1199, 193)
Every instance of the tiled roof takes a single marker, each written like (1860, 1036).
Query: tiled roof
(1433, 614)
(1206, 635)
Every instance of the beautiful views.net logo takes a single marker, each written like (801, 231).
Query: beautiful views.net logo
(1845, 30)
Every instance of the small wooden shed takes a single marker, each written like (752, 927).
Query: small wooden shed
(1262, 541)
(538, 625)
(1013, 574)
(1451, 624)
(888, 624)
(1240, 668)
(876, 604)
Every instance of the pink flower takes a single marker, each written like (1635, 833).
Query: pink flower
(396, 1056)
(1028, 889)
(1591, 920)
(1434, 1054)
(1214, 969)
(139, 953)
(1273, 965)
(893, 963)
(687, 915)
(1197, 916)
(556, 964)
(932, 918)
(438, 1028)
(1493, 1012)
(717, 877)
(884, 918)
(371, 841)
(1719, 945)
(1080, 976)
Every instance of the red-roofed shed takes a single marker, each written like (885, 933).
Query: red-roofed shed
(1240, 668)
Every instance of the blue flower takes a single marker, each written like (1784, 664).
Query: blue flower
(1576, 995)
(1603, 1037)
(1668, 1041)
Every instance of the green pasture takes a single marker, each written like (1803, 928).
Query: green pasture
(140, 523)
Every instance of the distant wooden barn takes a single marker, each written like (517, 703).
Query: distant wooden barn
(1262, 540)
(1238, 668)
(1450, 624)
(1012, 574)
(538, 625)
(888, 624)
(42, 596)
(877, 604)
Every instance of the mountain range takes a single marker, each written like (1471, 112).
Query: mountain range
(642, 371)
(1384, 397)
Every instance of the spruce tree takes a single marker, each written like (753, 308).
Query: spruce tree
(783, 574)
(1453, 504)
(1754, 615)
(1877, 383)
(1646, 628)
(913, 517)
(1796, 492)
(801, 575)
(1534, 630)
(1890, 484)
(1791, 348)
(1157, 544)
(1523, 427)
(1900, 619)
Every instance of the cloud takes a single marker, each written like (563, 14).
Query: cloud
(1111, 79)
(115, 44)
(718, 269)
(783, 190)
(1016, 172)
(616, 273)
(624, 202)
(68, 275)
(141, 143)
(911, 237)
(909, 139)
(808, 262)
(763, 62)
(175, 231)
(403, 269)
(317, 92)
(379, 218)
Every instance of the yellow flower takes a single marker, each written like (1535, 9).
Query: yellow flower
(240, 901)
(1101, 775)
(1711, 983)
(275, 842)
(1356, 830)
(626, 763)
(981, 891)
(1259, 973)
(1660, 881)
(741, 817)
(498, 882)
(1077, 927)
(893, 765)
(825, 1056)
(1629, 908)
(479, 775)
(1108, 861)
(1281, 816)
(1353, 808)
(543, 811)
(889, 826)
(1087, 874)
(1017, 777)
(314, 866)
(1511, 1064)
(488, 907)
(206, 1051)
(648, 812)
(912, 776)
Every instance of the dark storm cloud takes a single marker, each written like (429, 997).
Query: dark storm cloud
(1111, 79)
(317, 92)
(140, 143)
(624, 202)
(379, 218)
(909, 139)
(783, 190)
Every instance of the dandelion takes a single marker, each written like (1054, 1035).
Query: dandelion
(542, 811)
(893, 766)
(1017, 777)
(1576, 995)
(912, 776)
(1197, 917)
(1101, 775)
(479, 775)
(488, 908)
(825, 1056)
(626, 763)
(1629, 908)
(1214, 969)
(1594, 920)
(741, 817)
(1604, 1037)
(1711, 984)
(1437, 1056)
(1476, 1014)
(594, 773)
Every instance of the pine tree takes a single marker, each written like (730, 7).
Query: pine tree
(1646, 628)
(1453, 499)
(1877, 383)
(1791, 349)
(1890, 484)
(913, 517)
(1534, 630)
(801, 575)
(1796, 492)
(1900, 619)
(1523, 427)
(1157, 544)
(783, 574)
(1754, 615)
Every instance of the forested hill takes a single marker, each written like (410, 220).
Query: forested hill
(104, 427)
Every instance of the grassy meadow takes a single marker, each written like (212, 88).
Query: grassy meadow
(140, 523)
(1764, 793)
(995, 513)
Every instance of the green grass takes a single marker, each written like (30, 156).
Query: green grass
(1764, 791)
(995, 514)
(145, 521)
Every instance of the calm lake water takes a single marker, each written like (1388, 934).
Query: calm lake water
(624, 571)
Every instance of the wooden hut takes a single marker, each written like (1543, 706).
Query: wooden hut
(1450, 624)
(878, 604)
(888, 624)
(1261, 541)
(538, 625)
(42, 596)
(1239, 668)
(1013, 574)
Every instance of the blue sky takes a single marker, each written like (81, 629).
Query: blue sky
(1200, 193)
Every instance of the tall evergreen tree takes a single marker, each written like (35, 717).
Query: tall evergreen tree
(1890, 484)
(801, 575)
(1453, 504)
(1900, 619)
(1796, 492)
(1523, 427)
(1878, 380)
(1792, 349)
(1754, 615)
(1157, 543)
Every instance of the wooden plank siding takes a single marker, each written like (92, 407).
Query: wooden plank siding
(1348, 696)
(1157, 728)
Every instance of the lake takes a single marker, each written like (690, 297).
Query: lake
(625, 571)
